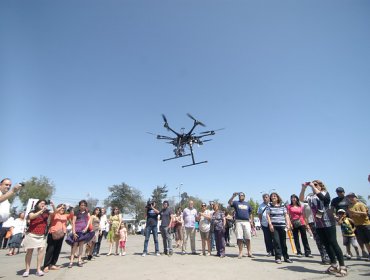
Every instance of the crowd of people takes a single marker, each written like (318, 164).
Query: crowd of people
(310, 213)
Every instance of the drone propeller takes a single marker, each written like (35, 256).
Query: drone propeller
(164, 118)
(151, 133)
(194, 119)
(211, 131)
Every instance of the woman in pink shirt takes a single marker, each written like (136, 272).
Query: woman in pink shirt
(57, 230)
(295, 211)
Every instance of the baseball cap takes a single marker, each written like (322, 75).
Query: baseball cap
(339, 189)
(352, 194)
(341, 211)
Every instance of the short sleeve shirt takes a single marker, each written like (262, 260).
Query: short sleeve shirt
(359, 220)
(296, 213)
(277, 215)
(204, 223)
(165, 217)
(242, 210)
(38, 225)
(340, 203)
(4, 209)
(218, 220)
(262, 211)
(151, 217)
(189, 216)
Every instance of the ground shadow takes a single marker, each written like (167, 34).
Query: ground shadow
(263, 260)
(32, 271)
(301, 269)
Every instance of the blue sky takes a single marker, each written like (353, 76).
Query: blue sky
(82, 81)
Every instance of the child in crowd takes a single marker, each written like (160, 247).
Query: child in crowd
(348, 231)
(122, 239)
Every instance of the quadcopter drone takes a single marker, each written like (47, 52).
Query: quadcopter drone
(182, 140)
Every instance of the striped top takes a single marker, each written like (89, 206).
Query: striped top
(277, 214)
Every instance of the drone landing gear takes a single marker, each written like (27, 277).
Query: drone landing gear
(194, 164)
(177, 157)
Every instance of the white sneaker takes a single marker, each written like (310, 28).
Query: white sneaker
(143, 255)
(157, 254)
(120, 254)
(124, 254)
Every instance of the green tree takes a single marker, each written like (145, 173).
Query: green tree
(128, 199)
(254, 206)
(184, 200)
(159, 194)
(41, 188)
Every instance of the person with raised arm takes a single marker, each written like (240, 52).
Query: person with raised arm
(243, 220)
(319, 202)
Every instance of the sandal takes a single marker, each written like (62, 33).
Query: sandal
(79, 264)
(70, 265)
(342, 272)
(332, 270)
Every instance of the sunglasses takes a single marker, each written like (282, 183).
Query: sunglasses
(204, 205)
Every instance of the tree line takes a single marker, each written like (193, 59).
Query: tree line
(128, 199)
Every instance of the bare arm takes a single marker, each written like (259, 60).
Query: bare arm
(88, 223)
(232, 198)
(34, 215)
(269, 221)
(287, 221)
(301, 195)
(10, 193)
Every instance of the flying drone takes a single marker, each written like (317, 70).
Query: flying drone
(183, 140)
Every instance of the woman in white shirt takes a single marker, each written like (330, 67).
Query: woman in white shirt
(19, 227)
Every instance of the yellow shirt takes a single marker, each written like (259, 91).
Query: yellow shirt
(359, 219)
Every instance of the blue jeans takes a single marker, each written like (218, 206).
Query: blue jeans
(148, 231)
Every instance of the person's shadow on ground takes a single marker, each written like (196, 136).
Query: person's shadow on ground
(296, 268)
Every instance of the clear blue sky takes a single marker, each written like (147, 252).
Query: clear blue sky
(82, 81)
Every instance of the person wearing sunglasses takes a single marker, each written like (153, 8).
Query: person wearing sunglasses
(319, 202)
(204, 217)
(243, 220)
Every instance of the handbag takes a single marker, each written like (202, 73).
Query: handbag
(297, 223)
(9, 233)
(56, 235)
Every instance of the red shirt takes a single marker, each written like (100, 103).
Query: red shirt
(38, 225)
(296, 213)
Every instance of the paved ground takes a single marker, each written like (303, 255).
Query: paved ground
(133, 266)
